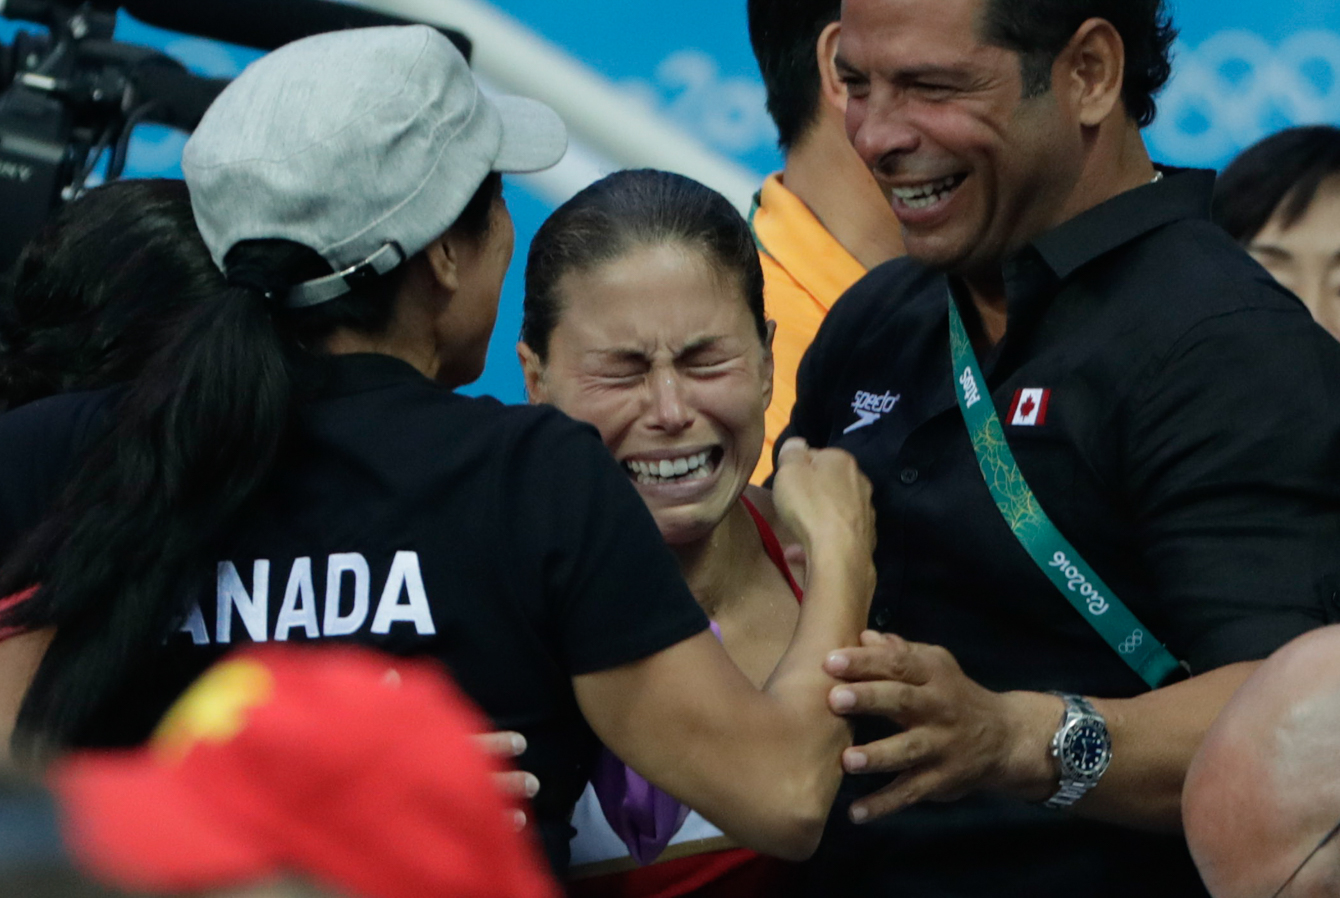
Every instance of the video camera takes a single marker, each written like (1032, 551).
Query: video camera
(72, 94)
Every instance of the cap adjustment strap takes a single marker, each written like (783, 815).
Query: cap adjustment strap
(333, 286)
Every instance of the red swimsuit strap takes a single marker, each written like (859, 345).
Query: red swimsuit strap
(9, 602)
(773, 546)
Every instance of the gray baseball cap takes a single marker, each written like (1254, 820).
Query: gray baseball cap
(364, 145)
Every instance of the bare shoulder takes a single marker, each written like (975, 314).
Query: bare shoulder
(795, 557)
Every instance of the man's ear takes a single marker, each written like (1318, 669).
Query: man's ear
(1090, 72)
(444, 261)
(831, 89)
(532, 369)
(769, 367)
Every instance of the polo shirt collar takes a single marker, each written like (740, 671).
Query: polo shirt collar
(1181, 194)
(787, 232)
(1034, 274)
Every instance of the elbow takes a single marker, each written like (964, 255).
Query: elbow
(800, 838)
(778, 832)
(782, 818)
(799, 820)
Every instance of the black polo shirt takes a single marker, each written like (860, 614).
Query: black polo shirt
(504, 541)
(1178, 416)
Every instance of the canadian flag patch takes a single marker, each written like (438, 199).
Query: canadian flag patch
(1029, 408)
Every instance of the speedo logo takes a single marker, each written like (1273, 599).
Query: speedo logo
(870, 407)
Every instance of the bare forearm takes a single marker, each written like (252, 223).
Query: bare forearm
(1154, 737)
(839, 584)
(837, 602)
(956, 737)
(839, 580)
(762, 765)
(793, 768)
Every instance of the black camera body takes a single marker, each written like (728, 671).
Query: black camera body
(72, 96)
(36, 165)
(68, 98)
(41, 140)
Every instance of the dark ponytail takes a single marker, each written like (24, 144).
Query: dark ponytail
(99, 288)
(193, 439)
(117, 559)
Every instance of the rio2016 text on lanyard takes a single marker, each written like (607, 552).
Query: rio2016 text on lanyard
(1050, 551)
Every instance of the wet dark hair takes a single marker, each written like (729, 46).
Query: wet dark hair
(1038, 30)
(191, 441)
(784, 34)
(624, 211)
(1281, 173)
(98, 288)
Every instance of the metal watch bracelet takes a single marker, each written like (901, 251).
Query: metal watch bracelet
(1082, 748)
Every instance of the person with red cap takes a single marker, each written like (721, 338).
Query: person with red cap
(339, 767)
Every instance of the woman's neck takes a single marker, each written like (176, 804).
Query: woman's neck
(409, 335)
(718, 567)
(415, 351)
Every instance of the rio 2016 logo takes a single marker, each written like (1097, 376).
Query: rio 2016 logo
(1076, 581)
(1236, 88)
(728, 113)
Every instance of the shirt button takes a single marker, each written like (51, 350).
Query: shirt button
(909, 476)
(882, 618)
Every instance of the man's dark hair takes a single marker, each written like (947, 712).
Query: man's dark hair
(784, 34)
(1281, 173)
(1038, 30)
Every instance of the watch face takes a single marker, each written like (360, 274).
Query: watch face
(1085, 750)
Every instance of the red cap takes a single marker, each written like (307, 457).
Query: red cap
(349, 768)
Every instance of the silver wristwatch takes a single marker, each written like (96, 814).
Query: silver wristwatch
(1082, 748)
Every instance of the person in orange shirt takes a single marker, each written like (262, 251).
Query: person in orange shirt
(822, 221)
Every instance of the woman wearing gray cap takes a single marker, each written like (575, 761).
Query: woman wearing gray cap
(295, 465)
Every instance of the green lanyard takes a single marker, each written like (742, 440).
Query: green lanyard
(1050, 551)
(753, 213)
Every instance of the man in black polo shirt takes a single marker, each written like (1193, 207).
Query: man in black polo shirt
(1175, 413)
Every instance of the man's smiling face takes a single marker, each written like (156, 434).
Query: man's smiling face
(976, 170)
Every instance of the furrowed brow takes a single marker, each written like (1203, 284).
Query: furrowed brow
(700, 345)
(619, 355)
